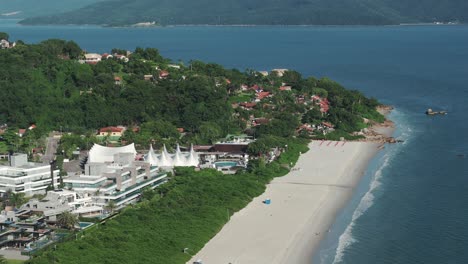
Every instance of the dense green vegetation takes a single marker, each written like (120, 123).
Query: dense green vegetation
(260, 12)
(184, 213)
(30, 8)
(45, 84)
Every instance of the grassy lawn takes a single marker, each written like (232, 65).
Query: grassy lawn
(243, 97)
(14, 261)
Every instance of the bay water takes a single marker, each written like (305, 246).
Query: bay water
(412, 204)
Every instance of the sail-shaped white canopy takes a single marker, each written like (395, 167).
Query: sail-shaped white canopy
(193, 158)
(179, 158)
(151, 158)
(101, 154)
(165, 160)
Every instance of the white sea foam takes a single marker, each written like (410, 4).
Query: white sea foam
(346, 239)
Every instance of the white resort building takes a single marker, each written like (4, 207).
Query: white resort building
(59, 201)
(26, 177)
(113, 174)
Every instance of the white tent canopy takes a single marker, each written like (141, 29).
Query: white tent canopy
(179, 159)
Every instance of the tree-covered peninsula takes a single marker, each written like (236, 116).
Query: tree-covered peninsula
(55, 85)
(260, 12)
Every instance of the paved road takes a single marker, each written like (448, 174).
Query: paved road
(51, 149)
(13, 254)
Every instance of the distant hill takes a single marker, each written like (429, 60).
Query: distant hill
(30, 8)
(262, 12)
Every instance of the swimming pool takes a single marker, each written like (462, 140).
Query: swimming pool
(220, 164)
(84, 225)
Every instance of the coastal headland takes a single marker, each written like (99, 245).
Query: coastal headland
(304, 204)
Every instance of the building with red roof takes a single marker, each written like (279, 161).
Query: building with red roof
(21, 132)
(262, 95)
(163, 74)
(111, 131)
(322, 102)
(248, 105)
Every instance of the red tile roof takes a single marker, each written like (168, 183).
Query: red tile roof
(255, 87)
(163, 74)
(327, 124)
(261, 121)
(262, 95)
(111, 129)
(248, 105)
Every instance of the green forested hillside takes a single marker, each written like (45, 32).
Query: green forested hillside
(430, 10)
(46, 84)
(282, 12)
(29, 8)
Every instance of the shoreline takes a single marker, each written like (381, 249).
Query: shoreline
(304, 204)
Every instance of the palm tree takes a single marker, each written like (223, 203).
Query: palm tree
(111, 206)
(67, 220)
(6, 198)
(3, 260)
(17, 199)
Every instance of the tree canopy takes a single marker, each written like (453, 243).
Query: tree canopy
(286, 12)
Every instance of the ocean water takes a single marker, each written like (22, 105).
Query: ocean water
(411, 206)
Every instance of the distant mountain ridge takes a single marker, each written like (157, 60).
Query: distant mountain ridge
(29, 8)
(262, 12)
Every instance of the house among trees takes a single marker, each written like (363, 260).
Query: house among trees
(163, 74)
(279, 72)
(121, 57)
(322, 102)
(3, 128)
(106, 56)
(260, 121)
(117, 80)
(5, 44)
(21, 132)
(262, 95)
(112, 131)
(248, 105)
(92, 58)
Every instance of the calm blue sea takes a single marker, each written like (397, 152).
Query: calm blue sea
(412, 205)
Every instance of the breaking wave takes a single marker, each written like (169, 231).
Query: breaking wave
(404, 132)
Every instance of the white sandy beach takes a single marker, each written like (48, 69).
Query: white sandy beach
(304, 204)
